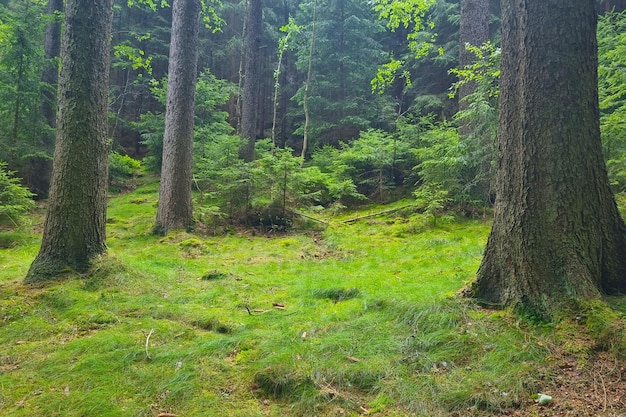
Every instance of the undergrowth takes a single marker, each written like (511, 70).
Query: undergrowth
(361, 318)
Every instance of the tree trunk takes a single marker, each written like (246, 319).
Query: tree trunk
(50, 76)
(474, 30)
(175, 207)
(41, 168)
(557, 234)
(252, 77)
(75, 225)
(307, 87)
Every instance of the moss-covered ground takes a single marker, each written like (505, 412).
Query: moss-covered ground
(357, 318)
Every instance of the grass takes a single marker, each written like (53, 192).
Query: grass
(357, 318)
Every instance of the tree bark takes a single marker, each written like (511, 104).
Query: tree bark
(557, 234)
(75, 225)
(252, 77)
(175, 209)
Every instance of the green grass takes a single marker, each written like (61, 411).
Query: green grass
(361, 316)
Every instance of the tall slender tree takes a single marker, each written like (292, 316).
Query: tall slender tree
(557, 234)
(307, 87)
(52, 49)
(41, 167)
(252, 77)
(175, 209)
(474, 31)
(75, 225)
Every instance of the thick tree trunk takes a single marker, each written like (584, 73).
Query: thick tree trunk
(474, 30)
(557, 234)
(252, 77)
(50, 76)
(75, 226)
(175, 207)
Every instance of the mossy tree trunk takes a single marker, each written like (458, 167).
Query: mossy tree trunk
(250, 101)
(557, 234)
(175, 209)
(75, 225)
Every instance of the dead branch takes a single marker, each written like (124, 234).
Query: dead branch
(380, 213)
(306, 216)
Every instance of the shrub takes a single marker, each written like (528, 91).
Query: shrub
(15, 200)
(377, 162)
(122, 169)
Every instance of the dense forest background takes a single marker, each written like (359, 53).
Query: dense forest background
(347, 105)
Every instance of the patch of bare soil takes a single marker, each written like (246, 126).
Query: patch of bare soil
(596, 388)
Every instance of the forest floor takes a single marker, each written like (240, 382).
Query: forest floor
(596, 388)
(342, 318)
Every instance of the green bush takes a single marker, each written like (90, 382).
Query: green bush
(122, 169)
(376, 163)
(15, 200)
(262, 192)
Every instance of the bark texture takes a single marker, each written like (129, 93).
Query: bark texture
(175, 209)
(557, 234)
(75, 225)
(252, 77)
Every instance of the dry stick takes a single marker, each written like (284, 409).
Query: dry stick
(147, 342)
(604, 390)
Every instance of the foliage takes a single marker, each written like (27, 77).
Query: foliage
(23, 135)
(440, 155)
(209, 10)
(122, 169)
(376, 162)
(346, 54)
(265, 189)
(210, 120)
(433, 199)
(403, 13)
(407, 14)
(15, 200)
(612, 91)
(483, 73)
(418, 67)
(463, 167)
(222, 178)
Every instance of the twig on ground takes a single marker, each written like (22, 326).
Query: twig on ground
(147, 342)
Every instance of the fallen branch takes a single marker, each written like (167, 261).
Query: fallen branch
(380, 213)
(306, 216)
